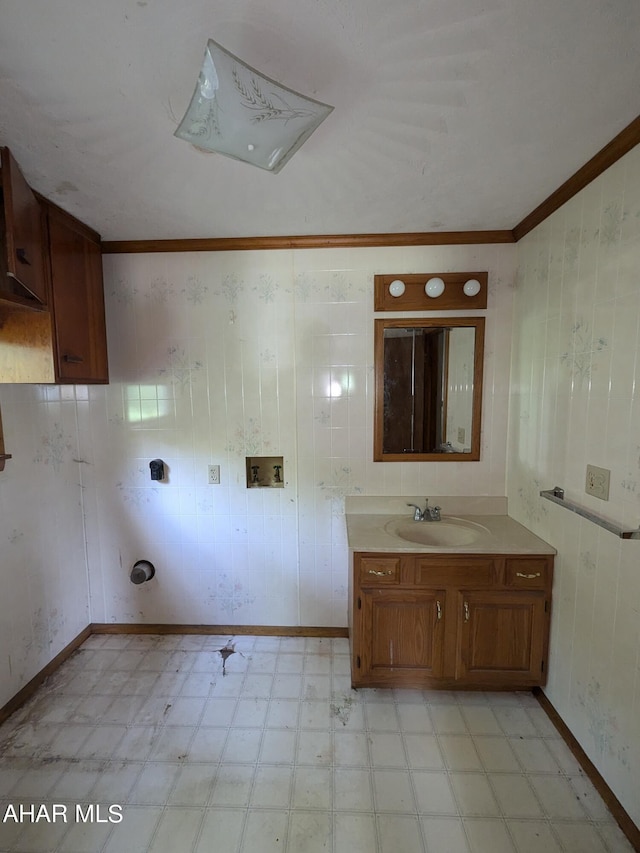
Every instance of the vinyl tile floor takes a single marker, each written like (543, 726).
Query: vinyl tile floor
(162, 743)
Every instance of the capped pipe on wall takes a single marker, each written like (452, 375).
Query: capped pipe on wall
(142, 571)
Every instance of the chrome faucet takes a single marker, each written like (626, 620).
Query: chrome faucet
(427, 514)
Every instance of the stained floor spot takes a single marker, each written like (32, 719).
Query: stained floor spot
(226, 652)
(341, 709)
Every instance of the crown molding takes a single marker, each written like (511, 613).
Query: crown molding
(599, 163)
(311, 241)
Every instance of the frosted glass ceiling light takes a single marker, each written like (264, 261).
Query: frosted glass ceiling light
(471, 287)
(237, 111)
(434, 287)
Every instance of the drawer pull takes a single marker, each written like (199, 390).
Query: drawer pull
(438, 610)
(380, 574)
(528, 577)
(72, 359)
(466, 611)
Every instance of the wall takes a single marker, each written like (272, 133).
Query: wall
(575, 399)
(215, 356)
(44, 596)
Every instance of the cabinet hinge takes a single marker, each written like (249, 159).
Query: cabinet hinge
(358, 661)
(546, 607)
(359, 607)
(542, 667)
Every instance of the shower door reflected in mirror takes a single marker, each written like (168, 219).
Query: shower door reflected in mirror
(428, 389)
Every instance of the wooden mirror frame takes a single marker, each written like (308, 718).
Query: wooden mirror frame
(476, 323)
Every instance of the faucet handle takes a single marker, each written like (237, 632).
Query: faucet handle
(418, 515)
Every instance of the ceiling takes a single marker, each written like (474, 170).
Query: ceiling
(449, 114)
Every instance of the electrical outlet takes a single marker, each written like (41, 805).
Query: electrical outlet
(461, 435)
(597, 483)
(214, 475)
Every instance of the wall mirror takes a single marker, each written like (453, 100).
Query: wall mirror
(428, 389)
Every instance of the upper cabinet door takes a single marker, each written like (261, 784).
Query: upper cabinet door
(77, 295)
(23, 240)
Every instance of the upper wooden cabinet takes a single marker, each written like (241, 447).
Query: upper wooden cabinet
(77, 299)
(22, 269)
(64, 341)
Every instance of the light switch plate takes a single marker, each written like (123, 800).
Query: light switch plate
(597, 483)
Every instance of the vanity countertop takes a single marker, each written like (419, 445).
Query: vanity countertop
(366, 532)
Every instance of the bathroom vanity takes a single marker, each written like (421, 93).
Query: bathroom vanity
(460, 603)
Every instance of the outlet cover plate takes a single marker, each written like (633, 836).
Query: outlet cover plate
(597, 482)
(214, 475)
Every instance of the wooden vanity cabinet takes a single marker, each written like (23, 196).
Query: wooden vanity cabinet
(449, 620)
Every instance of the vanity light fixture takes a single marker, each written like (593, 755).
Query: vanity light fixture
(396, 288)
(430, 291)
(434, 287)
(471, 287)
(237, 111)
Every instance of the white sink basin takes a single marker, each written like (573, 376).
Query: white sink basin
(451, 532)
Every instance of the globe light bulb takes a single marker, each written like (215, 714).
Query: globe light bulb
(434, 287)
(396, 288)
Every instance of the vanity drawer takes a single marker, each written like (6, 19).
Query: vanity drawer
(528, 573)
(373, 571)
(475, 572)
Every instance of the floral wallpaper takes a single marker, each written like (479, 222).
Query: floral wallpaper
(582, 347)
(575, 400)
(45, 599)
(216, 357)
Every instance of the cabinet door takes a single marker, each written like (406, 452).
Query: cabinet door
(22, 265)
(78, 300)
(501, 638)
(401, 636)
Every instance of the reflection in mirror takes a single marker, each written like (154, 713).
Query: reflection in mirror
(428, 389)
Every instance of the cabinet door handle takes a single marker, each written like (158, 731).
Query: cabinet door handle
(528, 577)
(72, 359)
(380, 574)
(438, 610)
(466, 611)
(21, 255)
